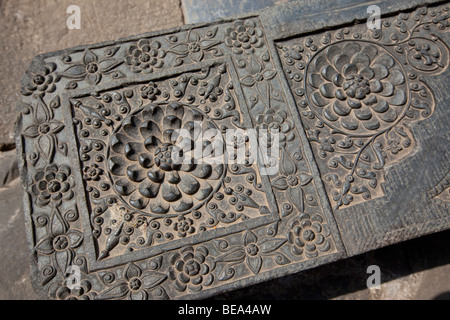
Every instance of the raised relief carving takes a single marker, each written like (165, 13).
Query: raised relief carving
(106, 195)
(358, 91)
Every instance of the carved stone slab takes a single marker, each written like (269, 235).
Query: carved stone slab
(362, 157)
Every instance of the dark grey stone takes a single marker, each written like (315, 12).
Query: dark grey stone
(363, 156)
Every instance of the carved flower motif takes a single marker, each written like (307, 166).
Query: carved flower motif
(150, 91)
(309, 235)
(357, 86)
(151, 163)
(394, 146)
(44, 128)
(52, 184)
(195, 47)
(82, 292)
(252, 251)
(255, 250)
(258, 79)
(274, 122)
(144, 56)
(184, 226)
(136, 285)
(424, 52)
(60, 242)
(292, 180)
(92, 172)
(92, 68)
(244, 36)
(41, 81)
(191, 269)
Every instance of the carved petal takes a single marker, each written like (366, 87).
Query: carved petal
(385, 60)
(132, 271)
(56, 126)
(328, 72)
(170, 192)
(350, 69)
(372, 124)
(158, 206)
(139, 202)
(363, 113)
(197, 56)
(388, 89)
(288, 166)
(367, 73)
(329, 114)
(254, 264)
(340, 60)
(296, 197)
(89, 57)
(189, 185)
(63, 259)
(202, 171)
(152, 279)
(94, 78)
(249, 238)
(381, 106)
(45, 145)
(399, 98)
(327, 90)
(349, 124)
(381, 71)
(361, 60)
(183, 204)
(315, 80)
(280, 183)
(248, 81)
(270, 245)
(396, 77)
(119, 291)
(149, 189)
(341, 108)
(45, 246)
(31, 131)
(75, 238)
(77, 71)
(318, 100)
(139, 295)
(389, 116)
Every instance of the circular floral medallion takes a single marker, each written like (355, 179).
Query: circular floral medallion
(153, 162)
(357, 87)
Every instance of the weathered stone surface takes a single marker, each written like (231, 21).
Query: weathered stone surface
(28, 28)
(357, 110)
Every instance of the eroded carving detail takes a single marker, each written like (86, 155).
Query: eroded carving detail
(147, 159)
